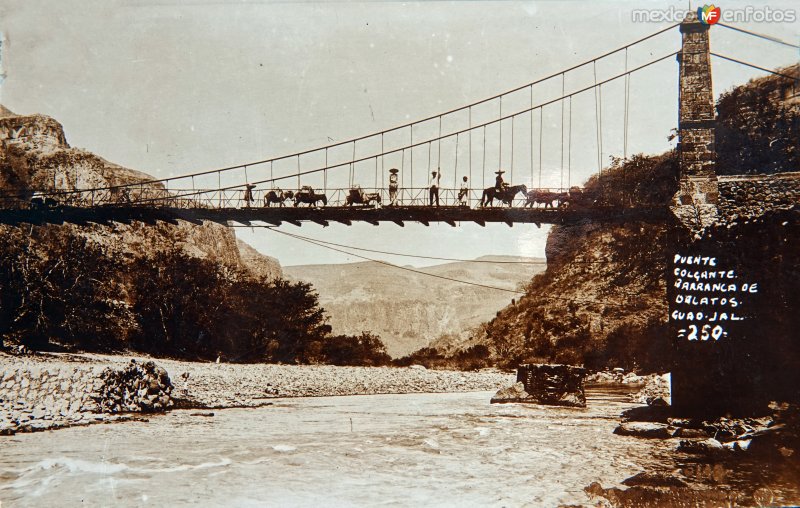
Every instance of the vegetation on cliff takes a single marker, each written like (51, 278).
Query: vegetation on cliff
(64, 291)
(758, 126)
(602, 300)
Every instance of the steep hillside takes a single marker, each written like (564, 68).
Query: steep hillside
(602, 300)
(34, 154)
(408, 310)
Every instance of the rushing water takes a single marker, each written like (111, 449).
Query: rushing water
(390, 450)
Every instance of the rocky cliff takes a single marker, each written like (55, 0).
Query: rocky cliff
(603, 298)
(35, 155)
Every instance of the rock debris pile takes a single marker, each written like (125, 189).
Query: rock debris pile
(138, 388)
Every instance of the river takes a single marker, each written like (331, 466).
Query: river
(451, 449)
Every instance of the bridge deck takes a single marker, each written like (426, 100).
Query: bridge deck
(325, 215)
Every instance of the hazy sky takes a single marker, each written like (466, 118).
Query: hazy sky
(171, 88)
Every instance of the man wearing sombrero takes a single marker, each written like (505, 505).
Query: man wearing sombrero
(498, 182)
(393, 186)
(434, 189)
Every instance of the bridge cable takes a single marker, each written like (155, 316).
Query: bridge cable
(470, 145)
(569, 150)
(239, 186)
(760, 36)
(411, 160)
(419, 256)
(776, 73)
(455, 168)
(429, 162)
(420, 272)
(625, 132)
(531, 115)
(511, 175)
(353, 140)
(386, 263)
(541, 130)
(597, 129)
(562, 134)
(500, 150)
(439, 148)
(483, 170)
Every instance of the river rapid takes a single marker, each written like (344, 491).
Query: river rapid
(451, 449)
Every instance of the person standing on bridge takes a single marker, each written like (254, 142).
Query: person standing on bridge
(393, 186)
(434, 189)
(463, 191)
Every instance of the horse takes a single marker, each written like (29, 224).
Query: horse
(277, 196)
(539, 196)
(310, 198)
(359, 197)
(506, 194)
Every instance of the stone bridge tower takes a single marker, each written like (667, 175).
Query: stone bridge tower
(695, 204)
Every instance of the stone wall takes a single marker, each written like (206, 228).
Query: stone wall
(39, 398)
(750, 196)
(44, 397)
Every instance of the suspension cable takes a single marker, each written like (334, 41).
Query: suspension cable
(755, 66)
(410, 124)
(500, 151)
(483, 125)
(569, 150)
(541, 130)
(420, 272)
(531, 114)
(561, 183)
(760, 36)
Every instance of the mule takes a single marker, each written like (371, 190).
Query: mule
(546, 197)
(359, 197)
(310, 198)
(277, 196)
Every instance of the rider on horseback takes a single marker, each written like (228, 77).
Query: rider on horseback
(499, 184)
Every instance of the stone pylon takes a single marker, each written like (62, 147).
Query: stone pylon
(695, 203)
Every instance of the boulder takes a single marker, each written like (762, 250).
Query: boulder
(514, 393)
(648, 430)
(705, 446)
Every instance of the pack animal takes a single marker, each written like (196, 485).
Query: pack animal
(308, 196)
(505, 195)
(277, 196)
(546, 197)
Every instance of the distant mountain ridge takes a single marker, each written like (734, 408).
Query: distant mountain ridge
(412, 310)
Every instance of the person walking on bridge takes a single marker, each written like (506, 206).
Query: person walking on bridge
(393, 186)
(434, 187)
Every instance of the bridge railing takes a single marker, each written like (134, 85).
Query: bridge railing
(156, 197)
(238, 198)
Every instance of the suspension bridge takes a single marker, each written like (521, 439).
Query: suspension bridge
(510, 158)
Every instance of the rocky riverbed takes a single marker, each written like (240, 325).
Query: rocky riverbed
(49, 391)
